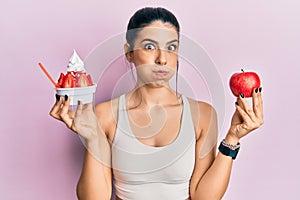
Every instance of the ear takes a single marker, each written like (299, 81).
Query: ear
(128, 53)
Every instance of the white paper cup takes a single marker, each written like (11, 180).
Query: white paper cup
(83, 94)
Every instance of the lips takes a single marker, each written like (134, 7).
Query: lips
(161, 72)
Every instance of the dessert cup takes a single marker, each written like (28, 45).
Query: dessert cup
(83, 94)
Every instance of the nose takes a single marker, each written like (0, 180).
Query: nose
(161, 57)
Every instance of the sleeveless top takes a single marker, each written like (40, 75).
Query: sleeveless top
(146, 172)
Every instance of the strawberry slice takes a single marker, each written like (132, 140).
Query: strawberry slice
(69, 81)
(81, 80)
(60, 80)
(89, 78)
(77, 74)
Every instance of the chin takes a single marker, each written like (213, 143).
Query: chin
(156, 84)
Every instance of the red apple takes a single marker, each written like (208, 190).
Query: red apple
(244, 82)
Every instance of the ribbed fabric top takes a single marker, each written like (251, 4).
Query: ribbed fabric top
(146, 172)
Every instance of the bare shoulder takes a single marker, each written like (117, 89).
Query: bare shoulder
(204, 106)
(202, 114)
(106, 113)
(106, 107)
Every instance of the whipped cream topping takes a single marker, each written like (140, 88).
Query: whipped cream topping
(75, 63)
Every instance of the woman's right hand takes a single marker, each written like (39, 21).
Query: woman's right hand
(83, 121)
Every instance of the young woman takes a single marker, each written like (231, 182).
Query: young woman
(157, 143)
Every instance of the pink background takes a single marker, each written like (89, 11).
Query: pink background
(42, 159)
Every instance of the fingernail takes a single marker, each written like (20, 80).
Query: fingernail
(256, 90)
(242, 95)
(260, 89)
(236, 103)
(66, 97)
(57, 97)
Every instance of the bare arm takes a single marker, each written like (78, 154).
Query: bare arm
(213, 182)
(95, 179)
(212, 173)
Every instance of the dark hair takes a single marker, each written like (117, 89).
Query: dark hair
(146, 16)
(143, 18)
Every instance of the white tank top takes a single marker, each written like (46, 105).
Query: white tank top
(146, 172)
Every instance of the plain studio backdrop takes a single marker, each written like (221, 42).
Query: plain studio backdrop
(42, 159)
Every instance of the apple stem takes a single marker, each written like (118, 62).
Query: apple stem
(242, 70)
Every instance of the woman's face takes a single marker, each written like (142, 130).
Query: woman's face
(155, 53)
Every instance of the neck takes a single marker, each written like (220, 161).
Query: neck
(153, 94)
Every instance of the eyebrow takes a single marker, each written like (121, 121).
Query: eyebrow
(150, 40)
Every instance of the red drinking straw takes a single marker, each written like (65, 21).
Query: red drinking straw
(47, 74)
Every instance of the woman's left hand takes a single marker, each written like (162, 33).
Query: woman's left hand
(246, 119)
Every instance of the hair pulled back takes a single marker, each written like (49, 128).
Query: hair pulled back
(146, 16)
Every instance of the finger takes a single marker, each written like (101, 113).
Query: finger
(260, 97)
(79, 108)
(71, 114)
(236, 118)
(77, 114)
(239, 102)
(260, 112)
(256, 102)
(64, 114)
(55, 110)
(244, 105)
(245, 117)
